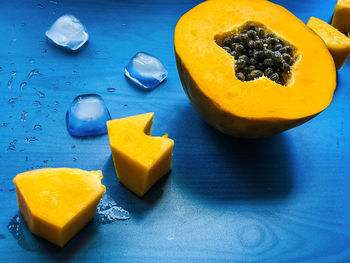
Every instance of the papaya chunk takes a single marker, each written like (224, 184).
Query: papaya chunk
(337, 43)
(56, 203)
(341, 16)
(140, 160)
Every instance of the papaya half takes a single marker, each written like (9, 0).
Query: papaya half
(290, 83)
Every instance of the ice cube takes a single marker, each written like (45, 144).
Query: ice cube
(68, 32)
(145, 70)
(87, 115)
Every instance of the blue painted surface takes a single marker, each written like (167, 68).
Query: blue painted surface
(281, 199)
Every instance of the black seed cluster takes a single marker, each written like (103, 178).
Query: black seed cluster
(259, 54)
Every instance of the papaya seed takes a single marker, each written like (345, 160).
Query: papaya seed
(259, 54)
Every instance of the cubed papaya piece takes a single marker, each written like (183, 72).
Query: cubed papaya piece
(338, 44)
(140, 160)
(341, 16)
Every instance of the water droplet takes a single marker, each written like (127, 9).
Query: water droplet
(34, 72)
(0, 69)
(110, 89)
(37, 127)
(24, 116)
(9, 83)
(4, 124)
(21, 233)
(13, 226)
(13, 73)
(44, 50)
(12, 146)
(73, 146)
(108, 211)
(40, 5)
(13, 100)
(31, 60)
(23, 24)
(55, 2)
(56, 102)
(68, 83)
(74, 159)
(28, 140)
(21, 86)
(74, 72)
(37, 103)
(45, 161)
(40, 94)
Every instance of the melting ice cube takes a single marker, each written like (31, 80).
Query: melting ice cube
(145, 70)
(67, 32)
(87, 115)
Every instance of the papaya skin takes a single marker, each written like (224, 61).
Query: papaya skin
(224, 121)
(257, 108)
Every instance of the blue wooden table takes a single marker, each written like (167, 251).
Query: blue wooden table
(281, 199)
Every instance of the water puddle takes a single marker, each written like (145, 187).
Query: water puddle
(18, 229)
(109, 211)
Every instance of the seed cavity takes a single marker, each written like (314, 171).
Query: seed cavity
(258, 53)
